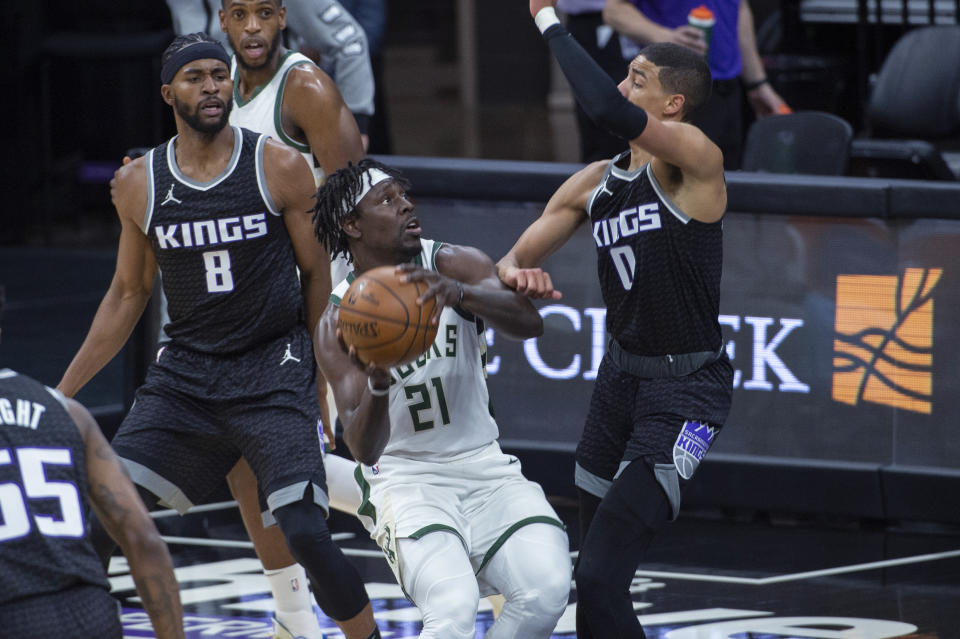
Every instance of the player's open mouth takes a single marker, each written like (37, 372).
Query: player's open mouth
(413, 226)
(254, 49)
(211, 107)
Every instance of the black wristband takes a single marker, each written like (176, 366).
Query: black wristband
(756, 84)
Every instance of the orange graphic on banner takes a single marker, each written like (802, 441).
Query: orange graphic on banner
(883, 341)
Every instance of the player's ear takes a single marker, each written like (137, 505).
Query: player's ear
(166, 92)
(350, 226)
(675, 103)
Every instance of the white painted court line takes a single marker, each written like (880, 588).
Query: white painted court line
(705, 614)
(202, 508)
(798, 576)
(236, 543)
(687, 576)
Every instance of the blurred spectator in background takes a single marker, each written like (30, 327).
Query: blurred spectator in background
(584, 21)
(372, 16)
(731, 50)
(320, 29)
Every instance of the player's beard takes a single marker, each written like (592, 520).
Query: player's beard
(267, 59)
(192, 117)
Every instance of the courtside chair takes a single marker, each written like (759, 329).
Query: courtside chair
(914, 107)
(807, 142)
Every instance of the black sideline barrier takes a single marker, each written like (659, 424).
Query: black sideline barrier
(800, 438)
(839, 310)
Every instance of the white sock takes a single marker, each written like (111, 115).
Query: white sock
(294, 603)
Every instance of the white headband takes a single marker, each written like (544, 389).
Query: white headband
(370, 178)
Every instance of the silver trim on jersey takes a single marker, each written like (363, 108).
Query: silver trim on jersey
(262, 177)
(205, 186)
(57, 395)
(673, 208)
(151, 194)
(607, 172)
(6, 372)
(624, 174)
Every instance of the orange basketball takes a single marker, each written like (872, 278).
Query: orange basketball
(380, 317)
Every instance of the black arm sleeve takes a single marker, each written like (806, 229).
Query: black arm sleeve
(594, 90)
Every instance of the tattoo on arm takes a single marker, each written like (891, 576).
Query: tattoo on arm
(107, 501)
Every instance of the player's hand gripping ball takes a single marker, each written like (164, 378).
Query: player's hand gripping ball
(380, 317)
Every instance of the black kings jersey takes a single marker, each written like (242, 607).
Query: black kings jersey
(659, 269)
(43, 494)
(226, 261)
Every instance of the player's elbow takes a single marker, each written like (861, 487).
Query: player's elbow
(532, 325)
(366, 450)
(365, 454)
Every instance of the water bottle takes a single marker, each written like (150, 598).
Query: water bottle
(702, 18)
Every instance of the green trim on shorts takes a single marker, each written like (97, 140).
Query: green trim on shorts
(539, 519)
(426, 530)
(366, 508)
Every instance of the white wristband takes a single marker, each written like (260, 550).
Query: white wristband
(546, 18)
(377, 392)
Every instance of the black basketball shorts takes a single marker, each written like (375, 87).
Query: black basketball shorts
(670, 423)
(196, 414)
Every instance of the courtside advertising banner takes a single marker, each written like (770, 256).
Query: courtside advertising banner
(843, 333)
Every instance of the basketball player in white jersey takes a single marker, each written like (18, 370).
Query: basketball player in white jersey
(453, 514)
(284, 94)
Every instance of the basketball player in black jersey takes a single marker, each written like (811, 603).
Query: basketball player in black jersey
(55, 463)
(664, 387)
(223, 213)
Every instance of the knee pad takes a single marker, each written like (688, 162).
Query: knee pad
(337, 586)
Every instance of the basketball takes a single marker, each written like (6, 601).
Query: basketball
(380, 317)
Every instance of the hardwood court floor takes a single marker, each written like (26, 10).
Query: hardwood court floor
(705, 578)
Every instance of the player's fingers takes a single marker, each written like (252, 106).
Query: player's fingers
(546, 284)
(523, 282)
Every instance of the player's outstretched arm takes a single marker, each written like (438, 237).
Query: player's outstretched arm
(520, 269)
(467, 277)
(361, 391)
(119, 508)
(130, 288)
(315, 105)
(677, 143)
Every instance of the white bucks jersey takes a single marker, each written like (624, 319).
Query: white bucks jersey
(261, 113)
(439, 404)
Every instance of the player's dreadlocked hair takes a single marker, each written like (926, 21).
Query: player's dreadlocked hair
(335, 203)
